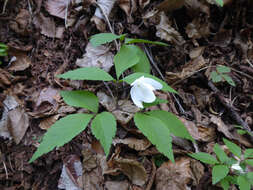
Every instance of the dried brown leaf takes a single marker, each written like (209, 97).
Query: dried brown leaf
(133, 169)
(129, 7)
(137, 144)
(22, 62)
(106, 6)
(57, 8)
(199, 133)
(99, 56)
(189, 69)
(94, 166)
(47, 26)
(198, 28)
(166, 32)
(71, 176)
(18, 123)
(48, 122)
(21, 22)
(125, 110)
(14, 121)
(5, 78)
(116, 185)
(178, 175)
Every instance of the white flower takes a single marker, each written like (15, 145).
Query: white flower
(142, 90)
(237, 167)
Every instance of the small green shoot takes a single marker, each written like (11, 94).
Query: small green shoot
(229, 170)
(220, 74)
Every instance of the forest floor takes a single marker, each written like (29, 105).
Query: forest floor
(43, 42)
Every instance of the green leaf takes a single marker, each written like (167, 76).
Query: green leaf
(243, 183)
(143, 65)
(228, 79)
(220, 153)
(131, 78)
(156, 132)
(126, 57)
(250, 177)
(61, 132)
(80, 98)
(232, 179)
(131, 41)
(215, 77)
(224, 184)
(171, 121)
(219, 172)
(88, 73)
(3, 46)
(102, 38)
(248, 153)
(219, 2)
(204, 157)
(3, 54)
(236, 150)
(156, 102)
(249, 161)
(104, 127)
(223, 69)
(241, 132)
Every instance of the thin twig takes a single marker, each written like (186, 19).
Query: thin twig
(109, 24)
(231, 109)
(6, 171)
(4, 7)
(163, 78)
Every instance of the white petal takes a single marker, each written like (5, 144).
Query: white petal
(139, 80)
(136, 96)
(157, 85)
(147, 93)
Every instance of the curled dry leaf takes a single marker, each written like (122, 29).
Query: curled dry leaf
(116, 185)
(71, 176)
(178, 175)
(166, 32)
(189, 69)
(221, 126)
(47, 26)
(48, 122)
(14, 121)
(46, 102)
(133, 169)
(99, 56)
(106, 6)
(196, 52)
(226, 130)
(129, 7)
(125, 110)
(198, 28)
(5, 78)
(22, 62)
(137, 144)
(99, 18)
(57, 8)
(21, 22)
(199, 133)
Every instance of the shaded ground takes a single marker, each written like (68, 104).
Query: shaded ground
(201, 36)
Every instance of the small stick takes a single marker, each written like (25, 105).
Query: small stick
(159, 72)
(230, 108)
